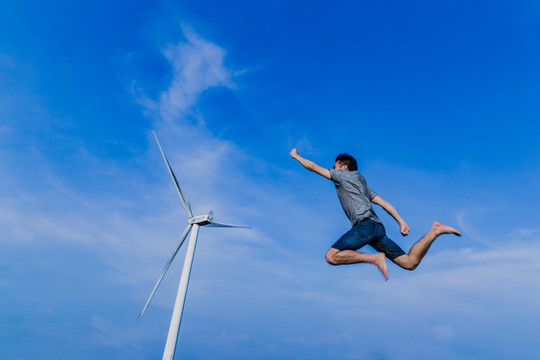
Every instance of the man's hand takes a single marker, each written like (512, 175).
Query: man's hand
(294, 153)
(404, 228)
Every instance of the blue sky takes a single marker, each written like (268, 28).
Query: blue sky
(438, 102)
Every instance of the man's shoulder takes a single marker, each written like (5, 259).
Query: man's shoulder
(339, 174)
(352, 174)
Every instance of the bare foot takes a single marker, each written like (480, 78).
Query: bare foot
(380, 262)
(444, 229)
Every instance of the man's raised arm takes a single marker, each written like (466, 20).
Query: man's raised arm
(310, 165)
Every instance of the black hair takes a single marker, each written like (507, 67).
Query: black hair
(346, 159)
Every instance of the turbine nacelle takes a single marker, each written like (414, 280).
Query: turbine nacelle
(201, 220)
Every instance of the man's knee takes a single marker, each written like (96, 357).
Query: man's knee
(331, 256)
(411, 266)
(406, 262)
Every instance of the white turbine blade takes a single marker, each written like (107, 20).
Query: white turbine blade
(183, 198)
(171, 258)
(216, 224)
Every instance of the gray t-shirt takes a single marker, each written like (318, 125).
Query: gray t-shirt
(354, 195)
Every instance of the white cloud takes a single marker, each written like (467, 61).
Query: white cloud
(197, 65)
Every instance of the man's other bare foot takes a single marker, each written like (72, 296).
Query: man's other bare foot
(444, 229)
(380, 262)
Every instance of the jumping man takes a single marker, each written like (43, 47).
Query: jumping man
(367, 229)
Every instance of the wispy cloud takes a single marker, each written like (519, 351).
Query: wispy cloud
(197, 65)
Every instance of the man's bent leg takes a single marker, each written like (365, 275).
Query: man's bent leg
(419, 250)
(345, 257)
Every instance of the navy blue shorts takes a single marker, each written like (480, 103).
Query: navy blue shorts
(369, 232)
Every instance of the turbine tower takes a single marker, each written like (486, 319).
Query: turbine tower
(194, 223)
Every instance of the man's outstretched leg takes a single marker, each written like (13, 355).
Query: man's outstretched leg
(344, 257)
(418, 250)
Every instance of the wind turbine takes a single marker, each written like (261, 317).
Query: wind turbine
(194, 223)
